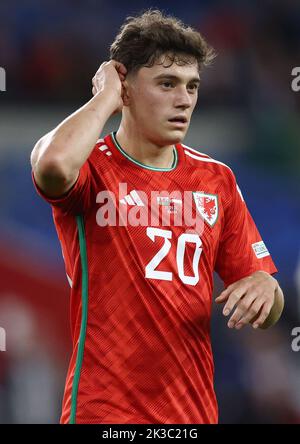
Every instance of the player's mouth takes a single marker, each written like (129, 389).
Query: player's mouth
(178, 121)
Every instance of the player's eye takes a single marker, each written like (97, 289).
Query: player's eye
(193, 87)
(167, 84)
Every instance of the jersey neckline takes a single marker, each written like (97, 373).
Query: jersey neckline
(140, 164)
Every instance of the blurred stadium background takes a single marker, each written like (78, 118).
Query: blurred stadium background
(247, 116)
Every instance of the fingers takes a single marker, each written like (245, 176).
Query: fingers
(233, 299)
(263, 315)
(250, 308)
(120, 68)
(246, 310)
(223, 296)
(251, 298)
(105, 77)
(122, 71)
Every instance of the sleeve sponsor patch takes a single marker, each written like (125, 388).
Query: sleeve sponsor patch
(260, 249)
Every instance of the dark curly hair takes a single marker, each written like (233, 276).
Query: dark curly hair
(143, 39)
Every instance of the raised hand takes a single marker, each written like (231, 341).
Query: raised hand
(109, 80)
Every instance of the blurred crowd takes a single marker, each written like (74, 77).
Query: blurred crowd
(50, 51)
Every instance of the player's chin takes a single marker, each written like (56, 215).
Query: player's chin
(176, 135)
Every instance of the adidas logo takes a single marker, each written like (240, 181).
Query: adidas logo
(132, 199)
(104, 148)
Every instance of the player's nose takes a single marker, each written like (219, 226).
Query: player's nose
(182, 98)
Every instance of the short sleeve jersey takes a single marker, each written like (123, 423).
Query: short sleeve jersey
(140, 245)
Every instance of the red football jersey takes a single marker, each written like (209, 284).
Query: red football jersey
(140, 245)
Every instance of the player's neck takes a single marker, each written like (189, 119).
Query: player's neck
(145, 151)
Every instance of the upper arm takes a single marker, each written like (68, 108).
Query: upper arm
(50, 173)
(71, 196)
(52, 181)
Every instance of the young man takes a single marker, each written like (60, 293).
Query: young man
(141, 274)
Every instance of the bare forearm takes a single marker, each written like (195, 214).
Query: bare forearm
(71, 142)
(75, 137)
(58, 156)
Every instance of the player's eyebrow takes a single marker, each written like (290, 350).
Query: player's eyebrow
(173, 77)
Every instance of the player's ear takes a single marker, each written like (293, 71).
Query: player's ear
(126, 93)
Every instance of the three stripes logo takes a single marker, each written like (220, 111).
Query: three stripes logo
(104, 148)
(132, 199)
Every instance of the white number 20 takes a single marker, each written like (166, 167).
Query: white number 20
(150, 269)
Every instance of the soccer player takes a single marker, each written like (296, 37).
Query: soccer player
(141, 284)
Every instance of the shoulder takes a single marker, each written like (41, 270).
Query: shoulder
(102, 146)
(202, 161)
(100, 152)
